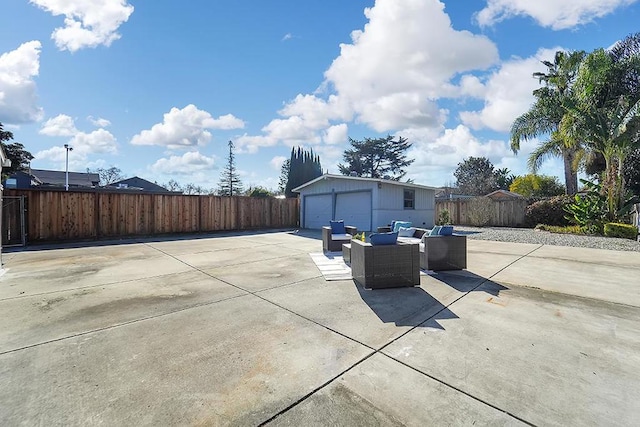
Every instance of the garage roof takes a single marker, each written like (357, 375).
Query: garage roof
(358, 178)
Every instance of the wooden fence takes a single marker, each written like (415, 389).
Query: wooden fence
(53, 215)
(502, 213)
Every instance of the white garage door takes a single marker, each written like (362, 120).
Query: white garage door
(355, 209)
(317, 211)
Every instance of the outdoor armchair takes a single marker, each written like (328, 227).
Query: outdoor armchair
(332, 242)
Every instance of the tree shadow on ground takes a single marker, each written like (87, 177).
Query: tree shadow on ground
(414, 306)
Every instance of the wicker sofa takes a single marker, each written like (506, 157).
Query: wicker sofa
(332, 242)
(437, 252)
(385, 266)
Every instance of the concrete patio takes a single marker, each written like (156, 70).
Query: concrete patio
(243, 330)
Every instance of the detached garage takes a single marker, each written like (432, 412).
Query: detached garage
(367, 203)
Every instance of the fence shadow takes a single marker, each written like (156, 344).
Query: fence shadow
(140, 239)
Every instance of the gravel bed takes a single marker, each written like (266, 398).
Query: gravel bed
(528, 235)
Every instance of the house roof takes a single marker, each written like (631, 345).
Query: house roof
(139, 183)
(505, 194)
(79, 179)
(359, 178)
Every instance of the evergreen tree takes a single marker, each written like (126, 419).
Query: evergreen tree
(476, 176)
(20, 158)
(230, 183)
(303, 167)
(284, 176)
(377, 158)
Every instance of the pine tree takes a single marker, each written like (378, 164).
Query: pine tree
(230, 183)
(303, 167)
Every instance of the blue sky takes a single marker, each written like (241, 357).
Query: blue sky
(158, 88)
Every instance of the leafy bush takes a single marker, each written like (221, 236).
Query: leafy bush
(626, 231)
(567, 229)
(480, 211)
(444, 218)
(549, 211)
(590, 209)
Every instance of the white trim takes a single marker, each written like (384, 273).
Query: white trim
(359, 178)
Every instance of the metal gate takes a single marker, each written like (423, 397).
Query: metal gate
(13, 221)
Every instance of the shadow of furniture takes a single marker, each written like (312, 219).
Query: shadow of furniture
(333, 242)
(385, 266)
(444, 253)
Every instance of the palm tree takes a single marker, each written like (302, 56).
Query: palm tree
(547, 113)
(605, 113)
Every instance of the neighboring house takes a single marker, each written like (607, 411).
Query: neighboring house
(504, 195)
(140, 184)
(450, 193)
(49, 178)
(366, 203)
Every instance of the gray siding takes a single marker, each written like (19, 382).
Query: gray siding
(387, 200)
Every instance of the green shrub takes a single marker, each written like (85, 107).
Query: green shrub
(625, 231)
(444, 218)
(588, 210)
(549, 211)
(567, 229)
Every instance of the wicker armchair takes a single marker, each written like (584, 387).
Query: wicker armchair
(385, 266)
(330, 244)
(444, 253)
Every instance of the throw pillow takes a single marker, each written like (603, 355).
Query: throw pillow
(398, 224)
(337, 227)
(377, 239)
(447, 230)
(406, 232)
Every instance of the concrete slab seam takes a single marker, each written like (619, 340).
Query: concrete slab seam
(459, 390)
(314, 391)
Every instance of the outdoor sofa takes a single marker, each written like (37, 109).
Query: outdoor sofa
(437, 252)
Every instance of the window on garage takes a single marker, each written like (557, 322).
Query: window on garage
(409, 199)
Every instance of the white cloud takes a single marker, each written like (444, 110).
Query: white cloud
(549, 13)
(83, 144)
(292, 130)
(286, 37)
(98, 141)
(508, 92)
(18, 100)
(187, 164)
(338, 134)
(61, 125)
(88, 23)
(252, 143)
(388, 78)
(277, 161)
(99, 122)
(439, 157)
(402, 61)
(185, 128)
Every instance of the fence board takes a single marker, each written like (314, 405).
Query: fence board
(54, 215)
(506, 213)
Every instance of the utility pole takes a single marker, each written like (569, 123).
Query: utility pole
(66, 169)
